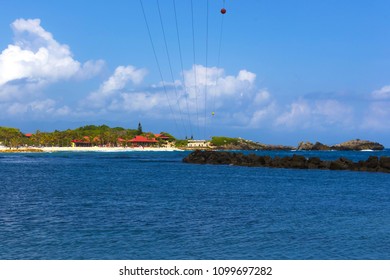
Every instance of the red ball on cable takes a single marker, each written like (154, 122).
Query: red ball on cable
(223, 11)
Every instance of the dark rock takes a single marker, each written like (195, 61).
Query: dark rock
(341, 164)
(314, 163)
(306, 146)
(358, 145)
(242, 144)
(384, 162)
(320, 147)
(298, 161)
(373, 163)
(267, 160)
(266, 147)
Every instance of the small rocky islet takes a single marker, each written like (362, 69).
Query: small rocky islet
(352, 145)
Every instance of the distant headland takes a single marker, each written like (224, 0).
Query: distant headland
(93, 137)
(225, 143)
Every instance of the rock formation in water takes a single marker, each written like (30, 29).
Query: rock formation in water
(352, 145)
(307, 146)
(372, 164)
(358, 145)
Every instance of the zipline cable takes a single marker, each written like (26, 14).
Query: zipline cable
(219, 55)
(206, 78)
(170, 66)
(158, 65)
(194, 66)
(182, 68)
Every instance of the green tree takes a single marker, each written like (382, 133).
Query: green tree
(10, 137)
(139, 131)
(221, 140)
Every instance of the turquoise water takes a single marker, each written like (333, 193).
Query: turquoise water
(150, 205)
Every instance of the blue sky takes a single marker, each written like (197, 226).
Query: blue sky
(288, 71)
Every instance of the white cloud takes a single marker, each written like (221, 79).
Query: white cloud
(121, 77)
(222, 90)
(37, 58)
(383, 93)
(138, 101)
(261, 97)
(112, 88)
(18, 90)
(39, 106)
(90, 69)
(245, 75)
(334, 112)
(298, 115)
(262, 117)
(316, 114)
(377, 117)
(217, 82)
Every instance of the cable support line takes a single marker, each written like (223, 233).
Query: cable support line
(182, 67)
(158, 65)
(170, 66)
(206, 72)
(219, 56)
(194, 67)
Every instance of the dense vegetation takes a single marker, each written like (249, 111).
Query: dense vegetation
(181, 143)
(11, 137)
(102, 135)
(222, 141)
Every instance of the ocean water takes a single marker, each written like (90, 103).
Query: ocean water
(150, 205)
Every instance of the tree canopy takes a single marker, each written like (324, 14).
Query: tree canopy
(95, 135)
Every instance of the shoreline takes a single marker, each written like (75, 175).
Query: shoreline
(137, 149)
(87, 149)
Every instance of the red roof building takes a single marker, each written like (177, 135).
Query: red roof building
(143, 141)
(161, 136)
(82, 143)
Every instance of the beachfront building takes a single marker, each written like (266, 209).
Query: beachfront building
(162, 136)
(198, 144)
(85, 142)
(148, 140)
(142, 141)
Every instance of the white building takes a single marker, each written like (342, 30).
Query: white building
(198, 144)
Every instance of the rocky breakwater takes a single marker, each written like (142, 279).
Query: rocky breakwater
(372, 164)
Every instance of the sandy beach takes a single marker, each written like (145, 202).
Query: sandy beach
(107, 149)
(92, 149)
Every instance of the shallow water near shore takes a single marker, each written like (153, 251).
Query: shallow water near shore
(150, 205)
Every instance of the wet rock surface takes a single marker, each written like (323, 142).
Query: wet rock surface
(372, 164)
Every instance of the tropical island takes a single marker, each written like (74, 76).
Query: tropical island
(83, 138)
(92, 137)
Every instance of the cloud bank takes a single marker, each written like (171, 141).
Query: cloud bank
(201, 89)
(36, 60)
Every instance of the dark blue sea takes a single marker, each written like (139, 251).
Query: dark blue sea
(150, 205)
